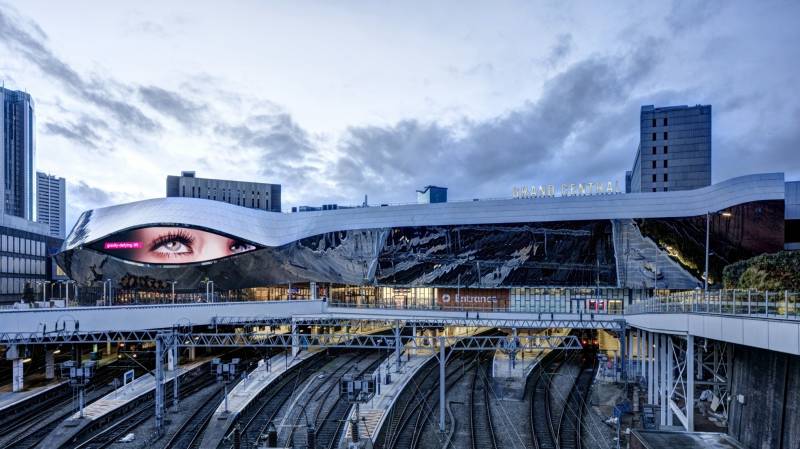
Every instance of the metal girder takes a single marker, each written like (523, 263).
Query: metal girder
(39, 338)
(544, 321)
(478, 343)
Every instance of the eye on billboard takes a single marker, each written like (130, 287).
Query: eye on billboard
(171, 245)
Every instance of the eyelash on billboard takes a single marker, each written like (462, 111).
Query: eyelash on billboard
(180, 236)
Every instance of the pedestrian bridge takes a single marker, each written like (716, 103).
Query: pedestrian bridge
(773, 324)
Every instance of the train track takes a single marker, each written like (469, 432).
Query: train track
(188, 434)
(569, 432)
(33, 426)
(111, 432)
(330, 424)
(256, 419)
(311, 408)
(556, 418)
(480, 418)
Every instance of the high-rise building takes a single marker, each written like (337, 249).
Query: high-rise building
(19, 147)
(255, 195)
(51, 203)
(674, 149)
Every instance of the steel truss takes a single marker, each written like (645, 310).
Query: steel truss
(683, 367)
(543, 321)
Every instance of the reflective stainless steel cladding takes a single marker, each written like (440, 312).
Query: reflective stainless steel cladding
(590, 240)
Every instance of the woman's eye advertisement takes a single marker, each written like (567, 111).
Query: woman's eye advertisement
(171, 245)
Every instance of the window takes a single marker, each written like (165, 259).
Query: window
(654, 189)
(666, 163)
(666, 149)
(654, 164)
(654, 177)
(654, 150)
(666, 189)
(654, 123)
(665, 135)
(654, 136)
(665, 121)
(183, 190)
(666, 177)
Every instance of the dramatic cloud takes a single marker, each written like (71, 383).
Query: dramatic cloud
(521, 144)
(85, 132)
(32, 46)
(383, 101)
(173, 105)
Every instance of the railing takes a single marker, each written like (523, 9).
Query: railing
(751, 303)
(576, 306)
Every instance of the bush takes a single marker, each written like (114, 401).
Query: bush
(779, 271)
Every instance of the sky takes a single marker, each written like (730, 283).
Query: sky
(337, 99)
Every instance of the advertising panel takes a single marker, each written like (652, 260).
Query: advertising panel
(472, 298)
(171, 245)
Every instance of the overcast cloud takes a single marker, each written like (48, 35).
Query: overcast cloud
(338, 100)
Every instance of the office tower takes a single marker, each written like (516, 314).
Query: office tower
(51, 203)
(255, 195)
(17, 136)
(674, 149)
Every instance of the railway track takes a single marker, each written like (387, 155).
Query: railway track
(330, 424)
(569, 433)
(555, 417)
(33, 426)
(481, 427)
(188, 434)
(111, 432)
(318, 395)
(257, 418)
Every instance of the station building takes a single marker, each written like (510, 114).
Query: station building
(546, 242)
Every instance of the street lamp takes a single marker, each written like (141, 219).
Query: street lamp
(708, 232)
(173, 290)
(209, 289)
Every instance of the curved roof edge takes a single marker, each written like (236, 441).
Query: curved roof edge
(274, 229)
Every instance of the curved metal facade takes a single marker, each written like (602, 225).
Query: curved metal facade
(554, 241)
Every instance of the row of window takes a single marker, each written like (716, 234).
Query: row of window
(666, 150)
(255, 200)
(14, 285)
(21, 265)
(22, 245)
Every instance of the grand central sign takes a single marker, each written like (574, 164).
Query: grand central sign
(580, 189)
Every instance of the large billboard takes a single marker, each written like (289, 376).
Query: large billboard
(171, 245)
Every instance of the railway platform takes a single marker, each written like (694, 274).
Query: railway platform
(9, 399)
(111, 402)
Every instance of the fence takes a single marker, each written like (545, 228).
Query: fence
(753, 303)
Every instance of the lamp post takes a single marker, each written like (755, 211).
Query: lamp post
(209, 289)
(708, 233)
(173, 290)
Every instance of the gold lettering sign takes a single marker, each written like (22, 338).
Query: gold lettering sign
(579, 189)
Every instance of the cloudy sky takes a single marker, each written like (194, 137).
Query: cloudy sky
(335, 100)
